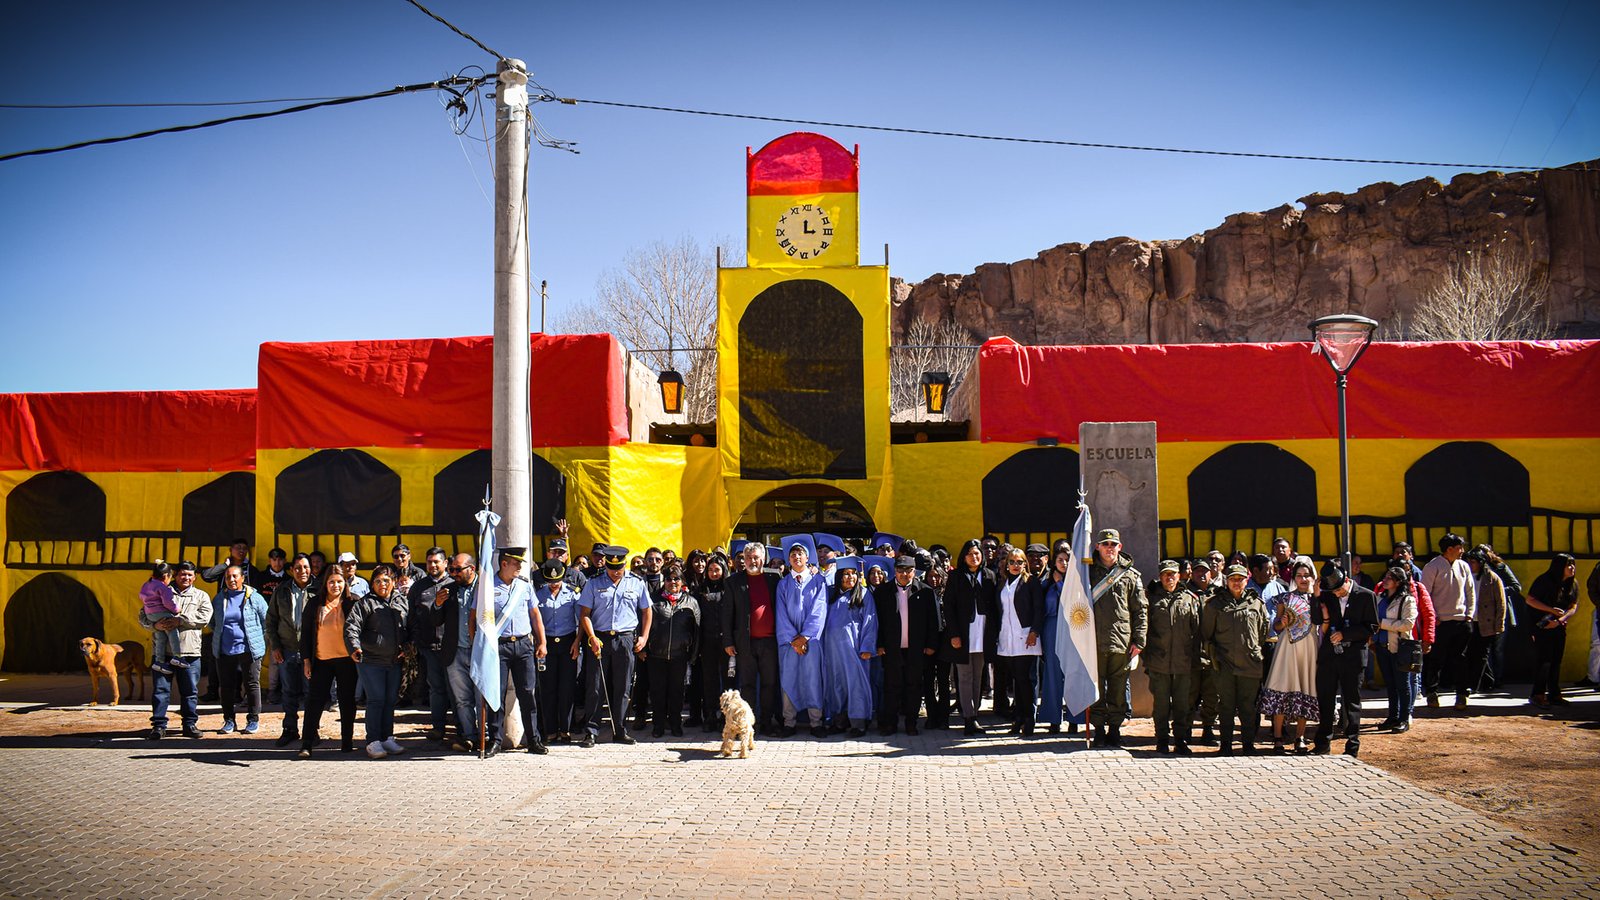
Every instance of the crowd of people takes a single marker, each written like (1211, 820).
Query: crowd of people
(836, 636)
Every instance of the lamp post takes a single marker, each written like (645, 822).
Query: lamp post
(1342, 339)
(935, 387)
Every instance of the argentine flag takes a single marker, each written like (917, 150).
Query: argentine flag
(1075, 643)
(485, 670)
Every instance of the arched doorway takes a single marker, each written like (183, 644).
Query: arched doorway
(45, 619)
(804, 508)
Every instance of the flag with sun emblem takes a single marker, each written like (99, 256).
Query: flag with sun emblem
(1075, 644)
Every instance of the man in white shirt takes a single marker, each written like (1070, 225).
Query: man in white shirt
(1449, 581)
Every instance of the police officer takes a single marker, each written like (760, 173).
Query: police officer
(1233, 629)
(522, 643)
(1171, 655)
(557, 550)
(558, 683)
(1117, 594)
(614, 617)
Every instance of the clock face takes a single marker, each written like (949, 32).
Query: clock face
(804, 232)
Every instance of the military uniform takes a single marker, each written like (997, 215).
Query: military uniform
(1232, 632)
(1120, 625)
(1171, 657)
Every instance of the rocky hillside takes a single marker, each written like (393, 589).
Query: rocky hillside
(1262, 276)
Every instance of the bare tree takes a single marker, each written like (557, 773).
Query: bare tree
(664, 295)
(1490, 294)
(942, 346)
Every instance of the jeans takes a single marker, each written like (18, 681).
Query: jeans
(292, 686)
(463, 694)
(382, 681)
(231, 669)
(188, 680)
(438, 688)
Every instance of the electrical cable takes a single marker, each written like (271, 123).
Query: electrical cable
(573, 101)
(1568, 117)
(441, 20)
(340, 101)
(1535, 80)
(159, 105)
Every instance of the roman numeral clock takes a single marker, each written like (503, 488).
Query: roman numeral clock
(802, 332)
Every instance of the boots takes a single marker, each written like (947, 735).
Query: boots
(1099, 736)
(1161, 737)
(1208, 737)
(1225, 748)
(1114, 736)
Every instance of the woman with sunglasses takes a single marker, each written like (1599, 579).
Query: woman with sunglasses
(1020, 611)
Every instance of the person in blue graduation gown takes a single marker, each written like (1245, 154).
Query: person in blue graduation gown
(850, 642)
(802, 607)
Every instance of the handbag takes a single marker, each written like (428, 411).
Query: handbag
(1409, 657)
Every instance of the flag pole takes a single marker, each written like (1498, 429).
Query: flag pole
(483, 705)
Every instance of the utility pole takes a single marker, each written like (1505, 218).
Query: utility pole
(510, 471)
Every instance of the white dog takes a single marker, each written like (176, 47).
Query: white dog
(739, 725)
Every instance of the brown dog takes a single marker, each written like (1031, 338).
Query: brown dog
(110, 660)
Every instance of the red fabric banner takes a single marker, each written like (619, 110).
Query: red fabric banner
(435, 393)
(1248, 392)
(802, 162)
(129, 431)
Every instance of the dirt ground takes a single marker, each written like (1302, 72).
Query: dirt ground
(1535, 771)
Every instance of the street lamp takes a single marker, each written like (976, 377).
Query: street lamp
(671, 391)
(935, 386)
(1342, 339)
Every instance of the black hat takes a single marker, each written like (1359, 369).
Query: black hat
(1332, 578)
(905, 562)
(598, 548)
(552, 571)
(616, 557)
(520, 554)
(1037, 550)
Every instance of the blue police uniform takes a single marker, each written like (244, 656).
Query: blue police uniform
(614, 614)
(558, 683)
(514, 609)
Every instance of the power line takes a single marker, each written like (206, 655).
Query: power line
(1026, 140)
(1568, 117)
(338, 101)
(158, 105)
(441, 20)
(1536, 72)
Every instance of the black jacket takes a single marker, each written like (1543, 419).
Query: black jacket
(424, 630)
(674, 630)
(377, 627)
(736, 609)
(964, 600)
(922, 611)
(308, 625)
(1356, 625)
(710, 594)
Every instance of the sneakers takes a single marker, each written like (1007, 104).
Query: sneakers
(228, 727)
(252, 727)
(392, 747)
(375, 750)
(305, 753)
(177, 663)
(156, 733)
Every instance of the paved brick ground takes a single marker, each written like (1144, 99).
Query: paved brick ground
(931, 815)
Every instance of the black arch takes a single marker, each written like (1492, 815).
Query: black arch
(801, 409)
(56, 506)
(458, 494)
(1033, 491)
(45, 619)
(216, 513)
(1467, 483)
(1252, 486)
(337, 492)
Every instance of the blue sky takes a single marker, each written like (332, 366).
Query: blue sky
(163, 263)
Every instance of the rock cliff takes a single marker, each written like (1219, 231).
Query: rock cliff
(1262, 276)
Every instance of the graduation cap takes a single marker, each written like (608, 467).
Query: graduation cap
(893, 540)
(882, 562)
(800, 540)
(737, 546)
(775, 557)
(831, 541)
(616, 557)
(846, 564)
